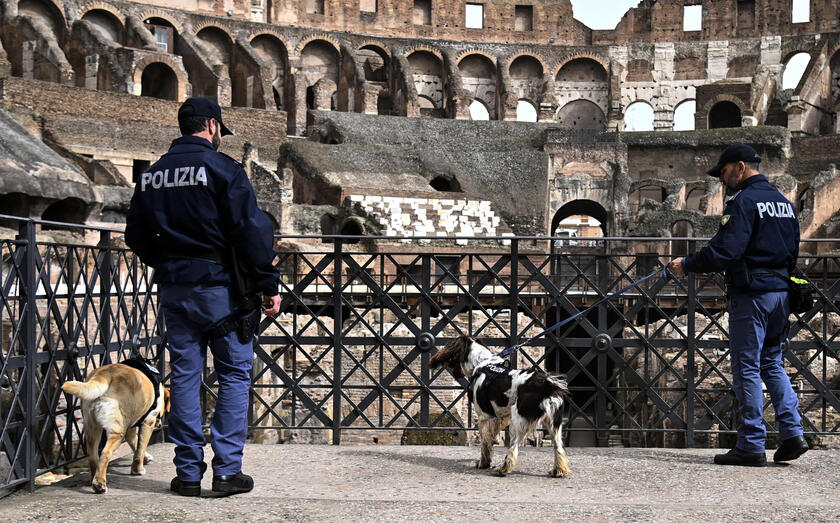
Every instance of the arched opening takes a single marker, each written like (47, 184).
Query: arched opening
(105, 24)
(582, 221)
(217, 43)
(638, 117)
(794, 69)
(351, 227)
(273, 52)
(15, 204)
(526, 111)
(724, 114)
(319, 59)
(684, 115)
(651, 193)
(68, 210)
(526, 68)
(694, 198)
(45, 12)
(159, 81)
(374, 62)
(445, 184)
(581, 114)
(478, 76)
(582, 70)
(427, 74)
(526, 80)
(681, 229)
(478, 111)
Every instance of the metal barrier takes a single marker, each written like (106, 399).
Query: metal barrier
(348, 354)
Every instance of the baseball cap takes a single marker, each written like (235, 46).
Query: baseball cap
(199, 106)
(734, 153)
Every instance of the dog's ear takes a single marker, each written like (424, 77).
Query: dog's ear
(165, 399)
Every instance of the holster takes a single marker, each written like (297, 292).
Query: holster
(245, 319)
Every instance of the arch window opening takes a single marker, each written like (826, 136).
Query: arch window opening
(351, 228)
(478, 111)
(684, 116)
(526, 111)
(794, 69)
(578, 230)
(724, 114)
(159, 81)
(638, 117)
(69, 210)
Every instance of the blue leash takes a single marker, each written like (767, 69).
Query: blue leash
(556, 326)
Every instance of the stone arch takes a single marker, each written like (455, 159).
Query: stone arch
(201, 26)
(694, 198)
(102, 6)
(155, 13)
(581, 207)
(274, 52)
(522, 66)
(641, 191)
(158, 80)
(109, 24)
(319, 59)
(324, 38)
(375, 62)
(791, 76)
(49, 11)
(352, 226)
(639, 70)
(479, 110)
(427, 74)
(527, 110)
(581, 114)
(472, 51)
(684, 115)
(219, 41)
(182, 82)
(582, 68)
(478, 76)
(424, 49)
(638, 116)
(725, 114)
(68, 210)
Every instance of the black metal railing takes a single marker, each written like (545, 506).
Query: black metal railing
(348, 355)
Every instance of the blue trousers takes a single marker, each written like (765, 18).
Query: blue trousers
(757, 327)
(189, 311)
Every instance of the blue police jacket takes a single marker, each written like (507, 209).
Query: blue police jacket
(189, 208)
(758, 230)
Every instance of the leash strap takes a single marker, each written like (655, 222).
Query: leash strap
(607, 298)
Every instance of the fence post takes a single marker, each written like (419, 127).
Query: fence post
(425, 325)
(603, 279)
(337, 343)
(28, 320)
(514, 300)
(105, 265)
(691, 347)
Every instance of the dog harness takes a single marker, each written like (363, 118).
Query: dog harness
(152, 374)
(490, 372)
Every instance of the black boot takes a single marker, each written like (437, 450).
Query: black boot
(737, 456)
(790, 449)
(185, 488)
(235, 484)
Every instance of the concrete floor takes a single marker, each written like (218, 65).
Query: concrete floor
(308, 483)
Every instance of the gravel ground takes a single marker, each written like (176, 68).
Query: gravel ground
(309, 482)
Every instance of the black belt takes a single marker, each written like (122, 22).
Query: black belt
(781, 273)
(212, 256)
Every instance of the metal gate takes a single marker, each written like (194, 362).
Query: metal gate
(346, 360)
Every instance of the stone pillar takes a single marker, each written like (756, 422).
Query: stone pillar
(663, 62)
(91, 71)
(223, 90)
(249, 91)
(369, 99)
(717, 61)
(28, 61)
(771, 50)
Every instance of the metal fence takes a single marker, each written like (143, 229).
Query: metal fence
(347, 358)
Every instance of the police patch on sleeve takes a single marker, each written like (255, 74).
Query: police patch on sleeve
(725, 219)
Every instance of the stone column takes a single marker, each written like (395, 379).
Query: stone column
(28, 61)
(717, 62)
(91, 71)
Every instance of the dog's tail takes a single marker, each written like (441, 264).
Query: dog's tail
(558, 384)
(90, 390)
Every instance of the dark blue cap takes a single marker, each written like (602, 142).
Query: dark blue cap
(735, 153)
(203, 107)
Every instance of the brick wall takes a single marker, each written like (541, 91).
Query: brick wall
(81, 118)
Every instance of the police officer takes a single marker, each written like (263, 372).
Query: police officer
(757, 245)
(188, 210)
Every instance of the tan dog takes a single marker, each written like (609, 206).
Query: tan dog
(114, 398)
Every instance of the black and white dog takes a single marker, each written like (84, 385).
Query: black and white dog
(520, 398)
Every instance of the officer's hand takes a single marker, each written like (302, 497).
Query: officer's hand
(271, 305)
(675, 266)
